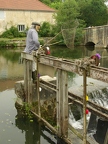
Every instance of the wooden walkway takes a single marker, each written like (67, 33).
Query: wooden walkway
(63, 96)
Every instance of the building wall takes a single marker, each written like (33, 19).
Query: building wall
(9, 18)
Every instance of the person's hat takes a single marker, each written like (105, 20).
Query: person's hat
(98, 55)
(35, 23)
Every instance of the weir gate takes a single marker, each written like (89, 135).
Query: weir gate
(97, 36)
(64, 98)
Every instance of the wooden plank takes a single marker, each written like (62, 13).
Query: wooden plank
(96, 109)
(64, 84)
(84, 107)
(25, 80)
(79, 135)
(58, 100)
(62, 103)
(30, 82)
(95, 72)
(27, 56)
(37, 62)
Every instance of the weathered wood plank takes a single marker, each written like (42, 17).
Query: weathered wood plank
(96, 109)
(30, 81)
(27, 56)
(25, 80)
(64, 86)
(62, 103)
(95, 72)
(59, 100)
(89, 140)
(84, 107)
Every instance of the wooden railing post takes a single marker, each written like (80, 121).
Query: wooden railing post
(37, 61)
(62, 103)
(28, 80)
(84, 107)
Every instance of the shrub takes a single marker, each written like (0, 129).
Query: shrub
(47, 30)
(3, 43)
(12, 32)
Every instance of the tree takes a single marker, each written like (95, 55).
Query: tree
(66, 20)
(47, 2)
(67, 13)
(94, 13)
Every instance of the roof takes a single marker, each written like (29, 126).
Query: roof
(24, 5)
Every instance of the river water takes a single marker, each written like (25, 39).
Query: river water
(15, 129)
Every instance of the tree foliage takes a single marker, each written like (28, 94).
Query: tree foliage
(67, 13)
(94, 13)
(88, 13)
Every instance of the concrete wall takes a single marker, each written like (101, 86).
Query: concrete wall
(97, 35)
(15, 18)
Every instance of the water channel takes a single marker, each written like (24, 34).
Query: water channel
(15, 129)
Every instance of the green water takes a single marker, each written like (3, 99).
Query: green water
(14, 128)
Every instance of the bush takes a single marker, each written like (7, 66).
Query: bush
(12, 33)
(47, 30)
(3, 43)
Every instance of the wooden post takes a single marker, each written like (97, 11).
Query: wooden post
(84, 107)
(25, 80)
(62, 103)
(37, 63)
(28, 80)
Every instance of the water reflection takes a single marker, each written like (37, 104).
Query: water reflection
(90, 48)
(9, 65)
(35, 133)
(30, 129)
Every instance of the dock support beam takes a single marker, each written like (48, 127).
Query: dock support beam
(28, 80)
(62, 103)
(84, 106)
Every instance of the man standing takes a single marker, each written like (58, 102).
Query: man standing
(33, 44)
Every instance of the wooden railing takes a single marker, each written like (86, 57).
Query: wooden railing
(61, 88)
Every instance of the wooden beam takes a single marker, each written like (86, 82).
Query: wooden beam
(62, 103)
(95, 72)
(93, 107)
(84, 107)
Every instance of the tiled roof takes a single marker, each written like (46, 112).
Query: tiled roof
(24, 5)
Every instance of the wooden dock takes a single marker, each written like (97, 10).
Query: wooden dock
(62, 94)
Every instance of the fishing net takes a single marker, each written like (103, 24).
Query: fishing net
(69, 33)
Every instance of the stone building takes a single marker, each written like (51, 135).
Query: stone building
(21, 13)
